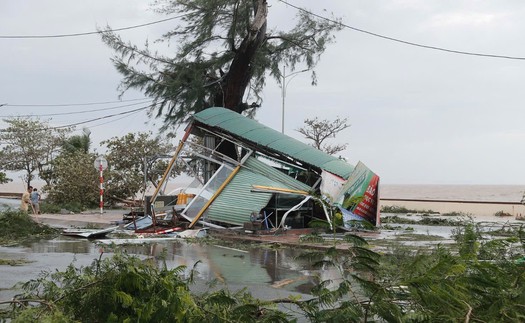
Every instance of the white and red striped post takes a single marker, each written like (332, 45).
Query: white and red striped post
(100, 164)
(101, 190)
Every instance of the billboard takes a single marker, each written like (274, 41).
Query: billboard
(360, 195)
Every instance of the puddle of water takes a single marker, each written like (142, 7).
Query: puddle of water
(267, 273)
(447, 232)
(6, 203)
(433, 233)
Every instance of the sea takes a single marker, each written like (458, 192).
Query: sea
(482, 193)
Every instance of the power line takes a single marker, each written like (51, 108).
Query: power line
(403, 41)
(90, 120)
(73, 104)
(89, 32)
(103, 123)
(100, 118)
(70, 113)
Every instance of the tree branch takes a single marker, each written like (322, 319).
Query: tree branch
(259, 20)
(231, 33)
(23, 302)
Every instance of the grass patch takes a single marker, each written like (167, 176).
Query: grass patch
(391, 227)
(395, 219)
(438, 221)
(13, 262)
(402, 209)
(312, 238)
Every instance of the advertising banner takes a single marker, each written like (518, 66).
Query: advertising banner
(360, 194)
(331, 185)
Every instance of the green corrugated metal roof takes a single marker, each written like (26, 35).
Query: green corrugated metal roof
(237, 201)
(251, 130)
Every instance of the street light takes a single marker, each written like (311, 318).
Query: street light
(284, 84)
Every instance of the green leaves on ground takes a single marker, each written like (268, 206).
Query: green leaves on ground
(128, 289)
(18, 226)
(473, 281)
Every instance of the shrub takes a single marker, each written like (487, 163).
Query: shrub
(47, 207)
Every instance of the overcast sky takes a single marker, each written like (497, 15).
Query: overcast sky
(418, 116)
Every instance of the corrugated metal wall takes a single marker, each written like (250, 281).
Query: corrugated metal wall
(237, 201)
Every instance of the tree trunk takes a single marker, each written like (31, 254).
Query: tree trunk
(240, 73)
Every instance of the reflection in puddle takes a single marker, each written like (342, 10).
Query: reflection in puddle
(248, 268)
(254, 268)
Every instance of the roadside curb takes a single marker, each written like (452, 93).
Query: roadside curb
(80, 220)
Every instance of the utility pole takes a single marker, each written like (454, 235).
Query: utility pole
(284, 85)
(283, 95)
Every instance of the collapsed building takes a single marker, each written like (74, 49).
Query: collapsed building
(270, 178)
